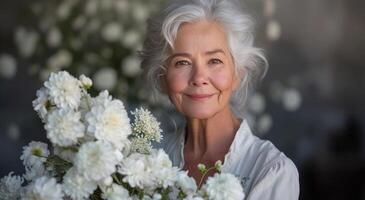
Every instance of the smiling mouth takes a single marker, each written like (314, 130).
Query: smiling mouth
(199, 97)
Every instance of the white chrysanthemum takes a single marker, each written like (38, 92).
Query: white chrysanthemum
(64, 90)
(43, 188)
(161, 168)
(67, 154)
(108, 120)
(10, 186)
(34, 171)
(146, 125)
(186, 183)
(76, 186)
(97, 160)
(137, 171)
(40, 104)
(34, 153)
(86, 82)
(116, 192)
(64, 127)
(223, 186)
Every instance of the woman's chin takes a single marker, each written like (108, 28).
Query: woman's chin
(199, 114)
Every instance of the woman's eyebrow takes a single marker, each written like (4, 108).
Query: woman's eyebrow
(215, 51)
(182, 54)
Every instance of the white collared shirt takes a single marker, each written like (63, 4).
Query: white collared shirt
(265, 172)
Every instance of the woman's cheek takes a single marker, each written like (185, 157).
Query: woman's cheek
(176, 82)
(222, 82)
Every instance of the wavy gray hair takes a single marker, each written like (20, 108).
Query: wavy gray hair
(238, 25)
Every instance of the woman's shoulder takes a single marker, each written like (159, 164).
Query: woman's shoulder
(272, 173)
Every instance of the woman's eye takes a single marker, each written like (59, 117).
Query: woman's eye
(182, 62)
(215, 61)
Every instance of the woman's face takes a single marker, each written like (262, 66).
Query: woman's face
(200, 74)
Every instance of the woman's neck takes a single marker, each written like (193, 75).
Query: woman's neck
(213, 135)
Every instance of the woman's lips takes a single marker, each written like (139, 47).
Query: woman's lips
(199, 97)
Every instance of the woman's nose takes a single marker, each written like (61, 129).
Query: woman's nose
(199, 76)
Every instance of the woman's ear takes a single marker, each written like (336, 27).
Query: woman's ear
(163, 84)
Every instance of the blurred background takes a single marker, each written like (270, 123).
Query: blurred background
(310, 105)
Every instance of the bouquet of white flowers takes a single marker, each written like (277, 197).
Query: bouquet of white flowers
(99, 154)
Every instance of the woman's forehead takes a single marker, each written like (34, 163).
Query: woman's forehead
(205, 36)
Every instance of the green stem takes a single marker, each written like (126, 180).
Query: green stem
(204, 174)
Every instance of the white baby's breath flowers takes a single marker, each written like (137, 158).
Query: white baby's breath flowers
(34, 153)
(140, 145)
(76, 186)
(10, 186)
(146, 125)
(41, 103)
(43, 188)
(64, 127)
(223, 186)
(97, 160)
(137, 171)
(115, 192)
(64, 90)
(108, 120)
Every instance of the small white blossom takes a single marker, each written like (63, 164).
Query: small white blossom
(64, 127)
(85, 81)
(223, 186)
(34, 153)
(43, 188)
(291, 99)
(64, 90)
(97, 160)
(112, 31)
(116, 192)
(105, 79)
(26, 41)
(7, 66)
(76, 186)
(10, 186)
(41, 102)
(54, 37)
(61, 59)
(131, 66)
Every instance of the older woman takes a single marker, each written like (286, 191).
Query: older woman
(200, 53)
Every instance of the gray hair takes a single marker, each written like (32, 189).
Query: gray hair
(162, 30)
